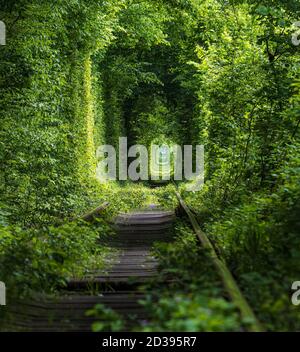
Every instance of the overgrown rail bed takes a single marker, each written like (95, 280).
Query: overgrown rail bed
(119, 288)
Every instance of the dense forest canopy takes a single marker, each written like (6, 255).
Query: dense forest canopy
(220, 73)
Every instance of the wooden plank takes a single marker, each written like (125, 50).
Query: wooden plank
(147, 212)
(142, 227)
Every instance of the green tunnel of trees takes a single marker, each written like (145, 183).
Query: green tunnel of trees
(223, 73)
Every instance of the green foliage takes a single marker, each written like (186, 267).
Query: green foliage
(249, 115)
(155, 117)
(42, 260)
(107, 319)
(194, 313)
(41, 146)
(188, 295)
(259, 239)
(130, 196)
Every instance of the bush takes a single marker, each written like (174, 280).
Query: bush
(42, 260)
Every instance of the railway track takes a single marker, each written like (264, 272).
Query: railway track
(119, 286)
